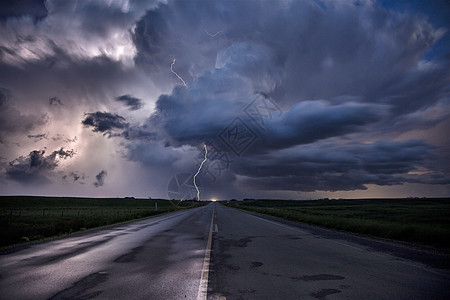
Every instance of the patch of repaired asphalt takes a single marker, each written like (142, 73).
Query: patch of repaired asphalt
(323, 293)
(256, 264)
(130, 256)
(318, 277)
(79, 288)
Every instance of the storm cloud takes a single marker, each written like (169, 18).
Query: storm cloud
(36, 167)
(104, 122)
(12, 8)
(299, 96)
(312, 50)
(132, 102)
(55, 101)
(100, 178)
(328, 167)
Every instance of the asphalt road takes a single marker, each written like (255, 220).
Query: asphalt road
(259, 258)
(157, 258)
(252, 257)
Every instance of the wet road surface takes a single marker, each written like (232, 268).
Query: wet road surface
(252, 257)
(157, 258)
(259, 258)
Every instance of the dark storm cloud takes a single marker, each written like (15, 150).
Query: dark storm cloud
(298, 58)
(320, 51)
(329, 167)
(190, 117)
(61, 153)
(140, 132)
(36, 167)
(132, 102)
(343, 74)
(115, 125)
(18, 8)
(417, 89)
(100, 178)
(339, 71)
(55, 101)
(310, 121)
(104, 122)
(193, 114)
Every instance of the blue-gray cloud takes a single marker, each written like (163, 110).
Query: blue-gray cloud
(353, 84)
(133, 103)
(335, 76)
(329, 167)
(315, 50)
(36, 167)
(32, 8)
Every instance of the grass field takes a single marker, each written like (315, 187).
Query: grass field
(425, 221)
(25, 218)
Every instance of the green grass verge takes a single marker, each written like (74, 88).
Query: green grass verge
(24, 219)
(424, 221)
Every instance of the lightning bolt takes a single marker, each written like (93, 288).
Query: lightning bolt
(212, 35)
(171, 70)
(198, 171)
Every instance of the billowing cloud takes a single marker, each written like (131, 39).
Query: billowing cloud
(132, 102)
(104, 122)
(329, 167)
(298, 95)
(320, 50)
(36, 167)
(100, 178)
(311, 121)
(55, 101)
(84, 30)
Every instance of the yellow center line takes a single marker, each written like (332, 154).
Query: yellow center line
(203, 287)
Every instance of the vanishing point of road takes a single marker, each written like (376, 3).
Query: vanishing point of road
(216, 252)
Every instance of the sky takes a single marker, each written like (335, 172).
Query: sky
(290, 99)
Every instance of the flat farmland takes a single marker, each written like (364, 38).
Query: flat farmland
(26, 218)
